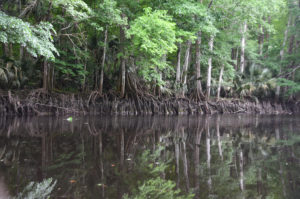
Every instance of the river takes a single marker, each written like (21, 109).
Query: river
(219, 156)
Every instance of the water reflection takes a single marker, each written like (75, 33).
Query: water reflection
(222, 156)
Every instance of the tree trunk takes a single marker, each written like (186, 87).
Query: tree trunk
(21, 54)
(219, 139)
(177, 149)
(185, 66)
(237, 59)
(291, 44)
(208, 84)
(178, 74)
(241, 158)
(197, 158)
(267, 38)
(243, 45)
(198, 67)
(185, 162)
(103, 63)
(261, 38)
(5, 49)
(282, 51)
(220, 82)
(45, 75)
(158, 86)
(208, 155)
(123, 63)
(85, 64)
(50, 76)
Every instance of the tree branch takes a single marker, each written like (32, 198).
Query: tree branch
(28, 9)
(288, 73)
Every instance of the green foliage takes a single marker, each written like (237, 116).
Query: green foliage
(69, 70)
(150, 166)
(109, 13)
(158, 188)
(153, 33)
(153, 36)
(40, 190)
(293, 87)
(78, 10)
(154, 29)
(37, 39)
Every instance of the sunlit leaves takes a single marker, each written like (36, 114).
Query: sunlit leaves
(153, 36)
(77, 9)
(153, 33)
(36, 39)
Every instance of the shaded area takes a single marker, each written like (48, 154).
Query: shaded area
(220, 156)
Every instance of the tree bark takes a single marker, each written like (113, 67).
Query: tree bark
(243, 45)
(178, 73)
(103, 62)
(198, 67)
(220, 81)
(208, 84)
(185, 66)
(45, 75)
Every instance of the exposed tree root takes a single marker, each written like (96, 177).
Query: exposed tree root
(136, 102)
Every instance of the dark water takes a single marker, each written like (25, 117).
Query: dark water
(225, 156)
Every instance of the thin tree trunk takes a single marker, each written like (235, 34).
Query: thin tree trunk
(21, 54)
(85, 63)
(177, 149)
(219, 139)
(282, 51)
(220, 82)
(122, 151)
(103, 63)
(123, 62)
(45, 75)
(101, 163)
(185, 65)
(243, 45)
(241, 157)
(291, 43)
(267, 38)
(11, 52)
(237, 59)
(185, 162)
(158, 86)
(50, 76)
(208, 84)
(5, 49)
(208, 156)
(197, 158)
(178, 73)
(261, 39)
(198, 66)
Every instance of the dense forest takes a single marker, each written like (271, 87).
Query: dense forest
(194, 49)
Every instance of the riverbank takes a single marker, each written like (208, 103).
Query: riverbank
(39, 102)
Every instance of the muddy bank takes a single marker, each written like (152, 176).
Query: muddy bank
(38, 102)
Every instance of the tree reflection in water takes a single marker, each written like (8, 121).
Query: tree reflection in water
(223, 156)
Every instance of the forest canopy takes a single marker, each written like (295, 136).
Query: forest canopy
(199, 49)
